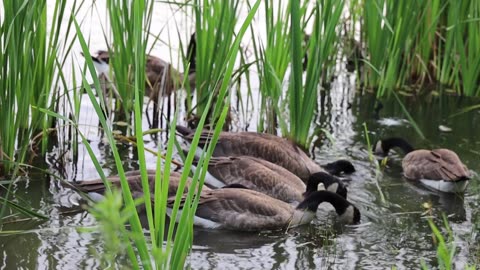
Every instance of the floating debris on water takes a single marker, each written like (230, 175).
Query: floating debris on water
(391, 121)
(444, 128)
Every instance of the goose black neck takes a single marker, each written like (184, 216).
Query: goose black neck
(192, 53)
(339, 166)
(184, 131)
(312, 202)
(327, 180)
(317, 178)
(390, 143)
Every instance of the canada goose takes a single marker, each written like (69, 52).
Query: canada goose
(266, 177)
(161, 78)
(440, 169)
(96, 188)
(248, 210)
(280, 151)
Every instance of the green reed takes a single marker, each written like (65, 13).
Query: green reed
(446, 248)
(286, 46)
(157, 253)
(273, 59)
(215, 29)
(421, 43)
(127, 49)
(321, 52)
(33, 52)
(28, 77)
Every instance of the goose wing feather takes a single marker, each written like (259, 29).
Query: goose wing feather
(438, 164)
(259, 175)
(243, 209)
(271, 148)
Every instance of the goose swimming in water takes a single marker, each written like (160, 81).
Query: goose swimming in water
(274, 149)
(440, 169)
(242, 209)
(96, 188)
(266, 177)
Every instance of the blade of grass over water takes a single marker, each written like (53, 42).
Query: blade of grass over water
(171, 254)
(134, 220)
(184, 228)
(302, 98)
(273, 59)
(421, 43)
(215, 28)
(410, 118)
(29, 53)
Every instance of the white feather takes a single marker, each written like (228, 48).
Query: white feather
(197, 221)
(210, 179)
(347, 216)
(445, 186)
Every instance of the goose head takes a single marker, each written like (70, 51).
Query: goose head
(330, 182)
(346, 211)
(339, 166)
(382, 147)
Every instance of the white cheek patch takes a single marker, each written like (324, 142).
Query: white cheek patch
(210, 180)
(333, 187)
(347, 216)
(378, 148)
(321, 186)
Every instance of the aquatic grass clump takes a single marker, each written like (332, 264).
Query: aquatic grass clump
(421, 43)
(28, 55)
(128, 20)
(273, 60)
(215, 22)
(321, 47)
(34, 44)
(446, 248)
(288, 46)
(162, 250)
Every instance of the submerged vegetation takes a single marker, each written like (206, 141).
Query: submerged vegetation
(397, 47)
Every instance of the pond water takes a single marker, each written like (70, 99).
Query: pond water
(393, 231)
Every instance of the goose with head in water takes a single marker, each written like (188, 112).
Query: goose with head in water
(242, 209)
(96, 188)
(266, 177)
(440, 169)
(274, 149)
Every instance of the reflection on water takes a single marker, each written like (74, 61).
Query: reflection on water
(393, 232)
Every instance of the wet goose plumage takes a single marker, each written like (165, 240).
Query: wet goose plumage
(277, 150)
(440, 169)
(249, 210)
(268, 178)
(96, 188)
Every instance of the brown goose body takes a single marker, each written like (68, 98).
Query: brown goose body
(256, 174)
(274, 149)
(162, 79)
(268, 178)
(437, 164)
(248, 210)
(135, 183)
(440, 169)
